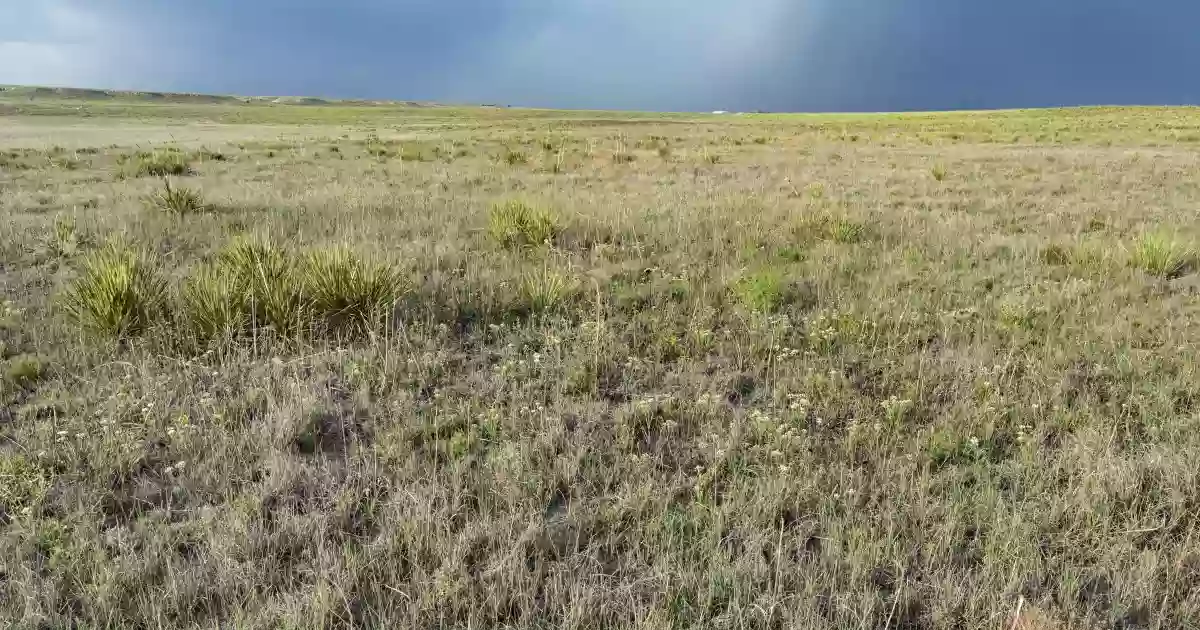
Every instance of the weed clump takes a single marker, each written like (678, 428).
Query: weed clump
(516, 224)
(512, 157)
(846, 231)
(159, 164)
(179, 200)
(64, 241)
(547, 290)
(770, 290)
(1163, 256)
(119, 294)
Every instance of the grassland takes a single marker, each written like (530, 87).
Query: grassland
(388, 366)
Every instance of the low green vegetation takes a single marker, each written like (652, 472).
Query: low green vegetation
(515, 224)
(177, 200)
(120, 292)
(157, 164)
(813, 381)
(1163, 255)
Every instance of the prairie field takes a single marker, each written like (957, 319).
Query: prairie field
(283, 365)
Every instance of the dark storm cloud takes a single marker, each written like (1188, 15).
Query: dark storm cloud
(665, 54)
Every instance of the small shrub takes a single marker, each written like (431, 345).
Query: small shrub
(160, 164)
(624, 157)
(547, 290)
(268, 281)
(178, 200)
(1163, 256)
(119, 294)
(517, 224)
(938, 171)
(213, 305)
(346, 291)
(664, 152)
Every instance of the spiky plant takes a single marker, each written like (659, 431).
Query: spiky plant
(120, 293)
(267, 279)
(178, 200)
(515, 224)
(213, 305)
(347, 292)
(546, 290)
(1163, 256)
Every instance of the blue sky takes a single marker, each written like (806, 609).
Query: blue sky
(779, 55)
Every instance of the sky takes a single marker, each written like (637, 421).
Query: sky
(691, 55)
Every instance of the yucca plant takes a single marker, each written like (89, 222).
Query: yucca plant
(348, 293)
(213, 305)
(547, 290)
(267, 279)
(179, 200)
(120, 293)
(517, 224)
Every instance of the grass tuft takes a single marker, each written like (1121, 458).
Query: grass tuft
(159, 164)
(179, 200)
(64, 241)
(120, 293)
(846, 231)
(769, 290)
(547, 290)
(1161, 255)
(513, 157)
(515, 224)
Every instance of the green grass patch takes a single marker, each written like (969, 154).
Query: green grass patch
(1163, 255)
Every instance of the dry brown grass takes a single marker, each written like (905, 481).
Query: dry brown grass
(810, 372)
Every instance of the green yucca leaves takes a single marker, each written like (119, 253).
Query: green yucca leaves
(119, 293)
(177, 200)
(346, 291)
